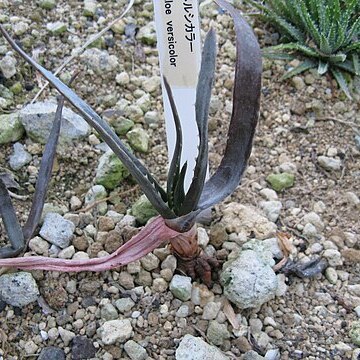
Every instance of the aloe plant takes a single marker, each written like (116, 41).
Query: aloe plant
(177, 209)
(325, 32)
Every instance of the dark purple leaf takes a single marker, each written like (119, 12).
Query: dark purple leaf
(44, 175)
(11, 224)
(246, 103)
(203, 95)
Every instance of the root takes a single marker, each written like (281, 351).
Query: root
(201, 266)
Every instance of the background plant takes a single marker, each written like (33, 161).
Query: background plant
(325, 32)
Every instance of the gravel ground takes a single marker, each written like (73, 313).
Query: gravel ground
(138, 312)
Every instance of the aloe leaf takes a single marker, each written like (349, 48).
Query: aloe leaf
(203, 96)
(179, 191)
(246, 103)
(44, 175)
(306, 50)
(322, 67)
(354, 31)
(355, 61)
(137, 170)
(175, 161)
(347, 66)
(8, 180)
(309, 24)
(305, 65)
(352, 47)
(339, 77)
(11, 224)
(278, 56)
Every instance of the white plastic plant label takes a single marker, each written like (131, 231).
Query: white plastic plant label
(179, 46)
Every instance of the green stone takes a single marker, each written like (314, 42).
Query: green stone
(111, 171)
(11, 128)
(47, 4)
(147, 34)
(281, 181)
(143, 210)
(122, 125)
(139, 140)
(355, 332)
(57, 28)
(16, 88)
(6, 97)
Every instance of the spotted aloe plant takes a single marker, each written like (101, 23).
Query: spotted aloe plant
(178, 209)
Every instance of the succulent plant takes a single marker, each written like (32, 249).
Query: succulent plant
(325, 32)
(178, 209)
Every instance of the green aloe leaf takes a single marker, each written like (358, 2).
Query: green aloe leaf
(339, 77)
(323, 67)
(347, 66)
(142, 176)
(306, 50)
(203, 96)
(305, 65)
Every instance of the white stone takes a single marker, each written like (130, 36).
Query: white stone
(57, 230)
(194, 348)
(115, 330)
(248, 281)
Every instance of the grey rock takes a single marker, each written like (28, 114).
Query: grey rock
(82, 348)
(19, 157)
(108, 312)
(211, 310)
(124, 304)
(115, 330)
(150, 262)
(11, 128)
(100, 61)
(217, 333)
(180, 286)
(57, 230)
(39, 245)
(271, 209)
(269, 194)
(252, 355)
(90, 7)
(194, 348)
(298, 82)
(183, 311)
(329, 163)
(134, 350)
(53, 353)
(97, 192)
(66, 335)
(248, 281)
(152, 84)
(314, 219)
(8, 66)
(18, 289)
(38, 118)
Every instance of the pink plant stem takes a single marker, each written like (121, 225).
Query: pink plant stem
(149, 238)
